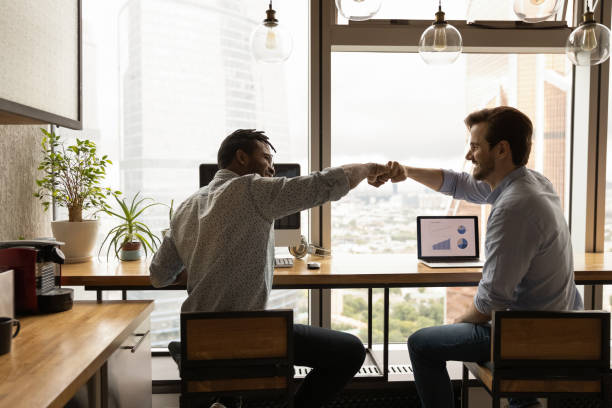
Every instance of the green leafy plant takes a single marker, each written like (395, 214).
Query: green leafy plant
(171, 211)
(72, 176)
(130, 229)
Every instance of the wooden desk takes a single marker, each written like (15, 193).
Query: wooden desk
(339, 271)
(55, 354)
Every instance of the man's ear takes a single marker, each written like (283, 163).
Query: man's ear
(242, 158)
(504, 149)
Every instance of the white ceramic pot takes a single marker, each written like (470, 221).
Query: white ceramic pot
(80, 238)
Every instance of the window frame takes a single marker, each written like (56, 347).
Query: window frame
(588, 115)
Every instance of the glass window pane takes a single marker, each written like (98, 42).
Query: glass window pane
(394, 107)
(164, 82)
(469, 10)
(608, 227)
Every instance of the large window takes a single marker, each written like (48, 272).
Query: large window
(394, 107)
(164, 81)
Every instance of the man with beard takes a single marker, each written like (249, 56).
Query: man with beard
(528, 251)
(221, 244)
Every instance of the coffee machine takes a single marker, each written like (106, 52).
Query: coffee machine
(37, 272)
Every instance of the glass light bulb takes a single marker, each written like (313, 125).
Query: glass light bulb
(358, 10)
(271, 39)
(589, 39)
(439, 42)
(271, 43)
(588, 44)
(533, 11)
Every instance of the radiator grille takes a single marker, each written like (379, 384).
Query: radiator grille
(365, 371)
(45, 277)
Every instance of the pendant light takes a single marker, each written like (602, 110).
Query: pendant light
(358, 10)
(270, 42)
(589, 43)
(441, 43)
(534, 11)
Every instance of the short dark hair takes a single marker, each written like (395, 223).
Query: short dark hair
(243, 139)
(509, 124)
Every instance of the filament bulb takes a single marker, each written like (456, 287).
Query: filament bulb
(439, 43)
(271, 39)
(589, 41)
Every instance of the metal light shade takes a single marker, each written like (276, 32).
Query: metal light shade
(589, 43)
(533, 11)
(441, 43)
(270, 42)
(358, 10)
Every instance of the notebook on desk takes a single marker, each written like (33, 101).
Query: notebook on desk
(448, 241)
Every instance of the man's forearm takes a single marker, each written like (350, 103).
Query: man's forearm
(357, 172)
(472, 315)
(432, 178)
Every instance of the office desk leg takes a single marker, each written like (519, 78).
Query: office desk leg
(369, 318)
(386, 336)
(97, 389)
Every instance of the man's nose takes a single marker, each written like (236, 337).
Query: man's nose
(272, 171)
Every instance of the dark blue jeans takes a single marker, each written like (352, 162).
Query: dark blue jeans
(430, 348)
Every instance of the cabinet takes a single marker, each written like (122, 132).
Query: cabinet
(129, 371)
(127, 380)
(40, 70)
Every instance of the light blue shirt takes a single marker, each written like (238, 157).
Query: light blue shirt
(529, 261)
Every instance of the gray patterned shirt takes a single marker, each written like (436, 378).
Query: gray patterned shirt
(529, 261)
(223, 236)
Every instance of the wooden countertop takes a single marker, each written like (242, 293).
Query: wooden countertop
(336, 271)
(55, 354)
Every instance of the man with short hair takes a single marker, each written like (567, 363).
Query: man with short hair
(528, 250)
(221, 243)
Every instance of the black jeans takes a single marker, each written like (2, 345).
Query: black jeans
(335, 357)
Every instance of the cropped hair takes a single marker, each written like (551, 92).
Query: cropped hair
(243, 139)
(509, 124)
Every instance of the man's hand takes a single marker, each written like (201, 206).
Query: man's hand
(472, 315)
(378, 175)
(396, 172)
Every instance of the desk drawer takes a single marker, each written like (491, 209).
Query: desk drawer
(129, 371)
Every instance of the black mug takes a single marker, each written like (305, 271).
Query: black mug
(6, 333)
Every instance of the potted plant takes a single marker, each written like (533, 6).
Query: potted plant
(127, 238)
(72, 178)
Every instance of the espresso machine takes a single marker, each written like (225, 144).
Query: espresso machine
(37, 273)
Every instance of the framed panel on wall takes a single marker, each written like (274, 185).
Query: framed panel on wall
(40, 71)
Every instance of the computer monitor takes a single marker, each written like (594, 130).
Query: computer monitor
(287, 230)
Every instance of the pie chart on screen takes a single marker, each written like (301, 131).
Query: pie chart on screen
(461, 229)
(462, 243)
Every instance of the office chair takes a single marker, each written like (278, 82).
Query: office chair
(248, 354)
(545, 354)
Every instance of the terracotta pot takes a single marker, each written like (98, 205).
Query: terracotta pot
(80, 238)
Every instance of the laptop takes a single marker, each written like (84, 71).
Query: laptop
(448, 241)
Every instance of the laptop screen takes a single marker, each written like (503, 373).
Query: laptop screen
(447, 237)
